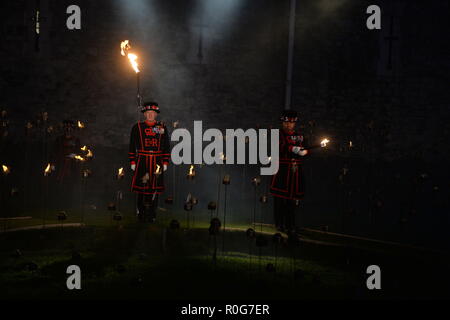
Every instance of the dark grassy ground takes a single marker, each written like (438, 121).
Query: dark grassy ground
(127, 260)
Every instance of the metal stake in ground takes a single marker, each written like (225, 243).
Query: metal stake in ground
(5, 171)
(256, 182)
(226, 182)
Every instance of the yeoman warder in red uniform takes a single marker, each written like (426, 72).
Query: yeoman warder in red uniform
(149, 156)
(287, 185)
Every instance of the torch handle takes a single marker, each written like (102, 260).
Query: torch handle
(138, 83)
(315, 146)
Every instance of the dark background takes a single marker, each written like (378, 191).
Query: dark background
(395, 185)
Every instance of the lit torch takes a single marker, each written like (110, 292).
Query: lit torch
(322, 144)
(80, 124)
(158, 170)
(124, 48)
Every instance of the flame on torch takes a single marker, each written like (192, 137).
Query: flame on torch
(77, 157)
(158, 169)
(89, 154)
(80, 124)
(124, 47)
(84, 148)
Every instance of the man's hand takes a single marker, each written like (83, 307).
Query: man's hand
(299, 151)
(133, 167)
(164, 167)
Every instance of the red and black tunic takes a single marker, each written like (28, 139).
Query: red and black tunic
(288, 183)
(149, 148)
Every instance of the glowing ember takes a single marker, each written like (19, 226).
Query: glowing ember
(226, 179)
(324, 143)
(256, 181)
(86, 173)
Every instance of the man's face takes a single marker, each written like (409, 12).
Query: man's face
(150, 115)
(288, 126)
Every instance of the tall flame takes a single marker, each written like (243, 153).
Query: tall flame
(191, 170)
(120, 172)
(132, 57)
(158, 169)
(124, 47)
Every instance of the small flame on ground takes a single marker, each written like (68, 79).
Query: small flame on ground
(324, 142)
(5, 169)
(47, 170)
